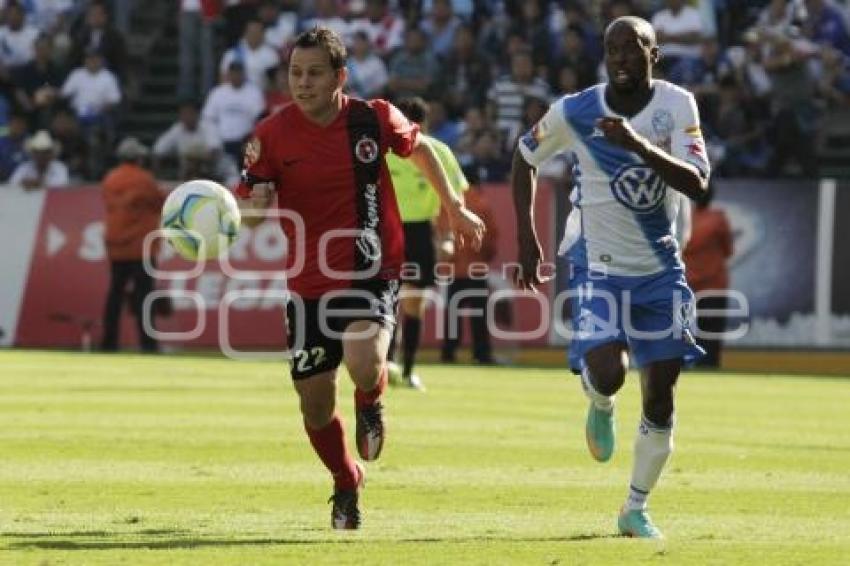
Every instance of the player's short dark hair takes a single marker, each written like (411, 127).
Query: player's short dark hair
(328, 40)
(414, 108)
(643, 29)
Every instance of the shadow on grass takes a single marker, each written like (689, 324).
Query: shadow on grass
(76, 534)
(61, 541)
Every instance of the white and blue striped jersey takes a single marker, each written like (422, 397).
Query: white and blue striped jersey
(624, 215)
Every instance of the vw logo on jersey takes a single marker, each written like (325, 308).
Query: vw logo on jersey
(638, 188)
(366, 150)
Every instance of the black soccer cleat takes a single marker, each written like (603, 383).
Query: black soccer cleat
(369, 432)
(345, 513)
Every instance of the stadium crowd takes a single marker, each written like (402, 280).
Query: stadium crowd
(765, 74)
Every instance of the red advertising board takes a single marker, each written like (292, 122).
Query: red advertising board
(68, 278)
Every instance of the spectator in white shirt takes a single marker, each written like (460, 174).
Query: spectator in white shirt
(93, 93)
(185, 134)
(255, 55)
(680, 30)
(92, 90)
(232, 108)
(42, 170)
(327, 14)
(367, 73)
(17, 40)
(280, 26)
(48, 16)
(385, 29)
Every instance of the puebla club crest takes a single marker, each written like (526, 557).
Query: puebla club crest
(663, 123)
(638, 188)
(366, 150)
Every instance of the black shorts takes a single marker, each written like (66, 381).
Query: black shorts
(314, 326)
(419, 255)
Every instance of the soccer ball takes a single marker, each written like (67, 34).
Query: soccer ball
(201, 219)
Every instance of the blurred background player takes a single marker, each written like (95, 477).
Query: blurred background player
(133, 201)
(323, 158)
(706, 258)
(469, 290)
(621, 244)
(419, 206)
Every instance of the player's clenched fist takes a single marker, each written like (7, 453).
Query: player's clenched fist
(620, 132)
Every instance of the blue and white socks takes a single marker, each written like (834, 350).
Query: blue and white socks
(653, 446)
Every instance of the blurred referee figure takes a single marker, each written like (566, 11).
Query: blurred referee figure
(468, 292)
(419, 206)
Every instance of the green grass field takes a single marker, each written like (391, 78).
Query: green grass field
(184, 460)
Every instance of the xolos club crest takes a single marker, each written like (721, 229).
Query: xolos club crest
(366, 150)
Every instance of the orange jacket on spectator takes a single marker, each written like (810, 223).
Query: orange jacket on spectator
(475, 201)
(133, 202)
(708, 249)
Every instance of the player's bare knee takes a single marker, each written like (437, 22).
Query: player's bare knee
(607, 366)
(608, 375)
(365, 369)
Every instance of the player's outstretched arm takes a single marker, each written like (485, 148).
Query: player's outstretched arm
(254, 207)
(524, 186)
(675, 172)
(467, 227)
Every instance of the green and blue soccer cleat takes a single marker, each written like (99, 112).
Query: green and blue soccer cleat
(636, 523)
(600, 434)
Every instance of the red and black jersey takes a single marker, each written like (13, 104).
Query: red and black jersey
(335, 178)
